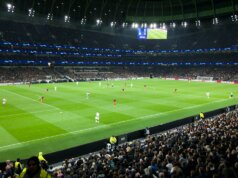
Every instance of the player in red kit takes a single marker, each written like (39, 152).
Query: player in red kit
(42, 99)
(145, 86)
(114, 102)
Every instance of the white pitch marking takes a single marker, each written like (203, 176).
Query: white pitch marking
(45, 138)
(19, 114)
(32, 99)
(92, 128)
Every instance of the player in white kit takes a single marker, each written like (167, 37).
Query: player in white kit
(4, 101)
(97, 117)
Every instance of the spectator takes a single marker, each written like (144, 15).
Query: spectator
(207, 150)
(44, 163)
(34, 170)
(147, 132)
(18, 166)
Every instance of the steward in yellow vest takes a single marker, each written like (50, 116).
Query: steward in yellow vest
(34, 170)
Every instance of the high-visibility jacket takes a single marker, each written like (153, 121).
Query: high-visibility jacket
(201, 115)
(40, 174)
(41, 158)
(113, 140)
(18, 167)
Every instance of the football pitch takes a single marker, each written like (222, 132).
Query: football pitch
(66, 117)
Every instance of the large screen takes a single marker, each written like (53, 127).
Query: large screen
(148, 33)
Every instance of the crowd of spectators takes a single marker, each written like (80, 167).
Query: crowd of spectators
(38, 44)
(179, 38)
(207, 148)
(29, 74)
(217, 73)
(26, 74)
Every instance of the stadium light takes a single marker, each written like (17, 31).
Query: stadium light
(124, 24)
(143, 25)
(50, 16)
(164, 26)
(67, 18)
(83, 21)
(98, 22)
(134, 25)
(112, 24)
(172, 24)
(153, 25)
(10, 8)
(31, 12)
(215, 21)
(184, 24)
(234, 18)
(198, 23)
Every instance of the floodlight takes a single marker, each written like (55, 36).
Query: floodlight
(234, 18)
(144, 25)
(163, 26)
(50, 16)
(184, 24)
(66, 18)
(172, 24)
(10, 7)
(134, 25)
(83, 21)
(124, 24)
(112, 24)
(98, 21)
(198, 23)
(215, 21)
(31, 12)
(153, 25)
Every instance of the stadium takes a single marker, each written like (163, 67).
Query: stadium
(127, 88)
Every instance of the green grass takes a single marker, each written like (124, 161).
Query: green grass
(66, 118)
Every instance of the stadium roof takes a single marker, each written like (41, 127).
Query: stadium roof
(126, 10)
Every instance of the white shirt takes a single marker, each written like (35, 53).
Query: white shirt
(4, 100)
